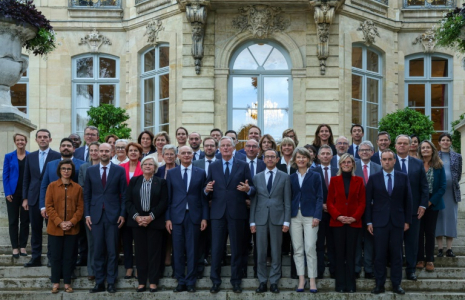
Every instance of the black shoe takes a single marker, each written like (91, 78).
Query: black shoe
(23, 254)
(340, 291)
(129, 276)
(351, 291)
(215, 288)
(81, 262)
(357, 275)
(412, 276)
(73, 275)
(237, 288)
(153, 290)
(191, 288)
(369, 275)
(141, 290)
(449, 253)
(15, 255)
(274, 288)
(200, 276)
(262, 288)
(49, 264)
(33, 263)
(98, 288)
(111, 288)
(180, 288)
(440, 253)
(378, 290)
(398, 290)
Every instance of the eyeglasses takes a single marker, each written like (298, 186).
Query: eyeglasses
(251, 146)
(66, 169)
(364, 150)
(120, 148)
(270, 157)
(90, 134)
(341, 143)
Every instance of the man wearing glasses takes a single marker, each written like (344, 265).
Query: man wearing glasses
(342, 146)
(91, 135)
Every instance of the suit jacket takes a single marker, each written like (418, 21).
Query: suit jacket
(439, 189)
(276, 204)
(380, 207)
(158, 201)
(200, 163)
(340, 205)
(455, 170)
(113, 196)
(33, 176)
(309, 196)
(319, 170)
(418, 182)
(375, 158)
(79, 153)
(194, 197)
(137, 171)
(283, 168)
(201, 155)
(161, 171)
(50, 175)
(225, 196)
(82, 174)
(374, 168)
(351, 151)
(237, 155)
(260, 166)
(11, 172)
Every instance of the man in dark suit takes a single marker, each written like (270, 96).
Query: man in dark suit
(383, 142)
(357, 132)
(195, 140)
(365, 168)
(236, 154)
(33, 173)
(104, 208)
(342, 145)
(186, 216)
(216, 134)
(388, 215)
(420, 195)
(228, 184)
(255, 133)
(325, 154)
(76, 140)
(91, 134)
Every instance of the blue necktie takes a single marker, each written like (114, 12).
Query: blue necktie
(252, 168)
(184, 178)
(194, 157)
(389, 184)
(209, 163)
(226, 172)
(42, 161)
(404, 167)
(356, 152)
(270, 182)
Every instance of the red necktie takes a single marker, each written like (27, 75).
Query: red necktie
(365, 173)
(326, 177)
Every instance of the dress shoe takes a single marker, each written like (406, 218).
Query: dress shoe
(313, 291)
(261, 288)
(378, 290)
(302, 290)
(274, 288)
(73, 275)
(191, 288)
(237, 288)
(398, 290)
(81, 262)
(153, 290)
(69, 290)
(111, 288)
(55, 290)
(369, 275)
(23, 254)
(180, 288)
(412, 276)
(98, 288)
(141, 290)
(357, 275)
(91, 278)
(351, 291)
(49, 264)
(215, 288)
(440, 253)
(15, 255)
(449, 253)
(429, 267)
(420, 265)
(340, 291)
(129, 276)
(33, 263)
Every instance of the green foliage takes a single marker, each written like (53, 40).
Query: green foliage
(456, 140)
(448, 32)
(109, 120)
(407, 121)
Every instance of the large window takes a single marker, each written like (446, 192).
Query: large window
(260, 89)
(155, 84)
(20, 93)
(95, 3)
(428, 88)
(367, 83)
(429, 3)
(95, 81)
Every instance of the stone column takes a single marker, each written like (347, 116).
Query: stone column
(461, 128)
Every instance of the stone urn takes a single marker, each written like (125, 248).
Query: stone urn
(13, 35)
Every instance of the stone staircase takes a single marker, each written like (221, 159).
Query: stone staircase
(17, 282)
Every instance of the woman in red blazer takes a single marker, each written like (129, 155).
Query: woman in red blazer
(346, 204)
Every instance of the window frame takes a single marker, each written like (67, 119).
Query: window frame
(25, 80)
(428, 6)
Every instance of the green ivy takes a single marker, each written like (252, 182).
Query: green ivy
(407, 121)
(109, 120)
(456, 137)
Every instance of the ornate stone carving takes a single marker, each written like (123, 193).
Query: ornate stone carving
(196, 13)
(260, 20)
(370, 32)
(427, 39)
(324, 15)
(94, 40)
(153, 29)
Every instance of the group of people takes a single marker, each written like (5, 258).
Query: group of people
(179, 205)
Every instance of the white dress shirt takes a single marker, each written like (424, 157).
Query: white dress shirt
(400, 162)
(288, 165)
(101, 169)
(189, 175)
(207, 164)
(254, 165)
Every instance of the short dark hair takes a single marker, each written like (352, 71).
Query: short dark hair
(357, 125)
(388, 150)
(139, 139)
(275, 152)
(44, 130)
(439, 139)
(66, 140)
(92, 128)
(231, 131)
(216, 129)
(384, 133)
(209, 138)
(66, 162)
(254, 126)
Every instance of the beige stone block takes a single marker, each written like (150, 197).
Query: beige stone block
(322, 106)
(322, 94)
(197, 106)
(198, 82)
(53, 116)
(201, 118)
(198, 94)
(318, 118)
(322, 82)
(207, 61)
(190, 71)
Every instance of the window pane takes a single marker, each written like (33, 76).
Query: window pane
(84, 95)
(85, 67)
(357, 87)
(276, 121)
(243, 117)
(417, 67)
(372, 61)
(276, 61)
(276, 90)
(107, 68)
(439, 67)
(439, 96)
(165, 127)
(420, 110)
(356, 112)
(416, 95)
(422, 2)
(149, 61)
(371, 134)
(357, 57)
(81, 119)
(149, 114)
(260, 52)
(164, 112)
(164, 53)
(107, 94)
(439, 117)
(372, 90)
(372, 115)
(149, 93)
(19, 96)
(164, 86)
(245, 61)
(415, 2)
(244, 92)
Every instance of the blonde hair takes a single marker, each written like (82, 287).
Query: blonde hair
(343, 158)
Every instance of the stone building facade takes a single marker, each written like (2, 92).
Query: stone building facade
(217, 63)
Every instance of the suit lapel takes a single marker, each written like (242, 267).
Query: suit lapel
(110, 175)
(232, 171)
(275, 182)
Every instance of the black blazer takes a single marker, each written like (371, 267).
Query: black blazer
(283, 168)
(319, 170)
(158, 201)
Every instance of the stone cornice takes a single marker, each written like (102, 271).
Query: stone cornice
(143, 6)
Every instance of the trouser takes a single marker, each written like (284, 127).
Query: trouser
(325, 236)
(427, 237)
(303, 235)
(148, 252)
(204, 248)
(62, 256)
(276, 239)
(90, 252)
(346, 238)
(83, 240)
(105, 236)
(411, 244)
(126, 240)
(37, 224)
(16, 213)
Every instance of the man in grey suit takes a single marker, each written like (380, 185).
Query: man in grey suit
(365, 168)
(270, 213)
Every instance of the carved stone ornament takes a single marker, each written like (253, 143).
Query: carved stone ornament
(260, 20)
(153, 29)
(324, 15)
(427, 39)
(94, 40)
(370, 32)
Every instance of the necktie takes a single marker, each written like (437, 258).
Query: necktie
(356, 152)
(87, 154)
(194, 156)
(184, 178)
(270, 182)
(104, 177)
(404, 167)
(208, 167)
(42, 161)
(365, 173)
(326, 177)
(226, 172)
(252, 168)
(389, 184)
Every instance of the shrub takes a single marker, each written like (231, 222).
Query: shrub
(109, 120)
(456, 140)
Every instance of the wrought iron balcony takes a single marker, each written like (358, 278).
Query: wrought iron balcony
(95, 3)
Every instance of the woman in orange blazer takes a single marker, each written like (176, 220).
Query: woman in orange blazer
(346, 204)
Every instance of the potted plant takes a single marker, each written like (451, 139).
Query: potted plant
(450, 32)
(21, 25)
